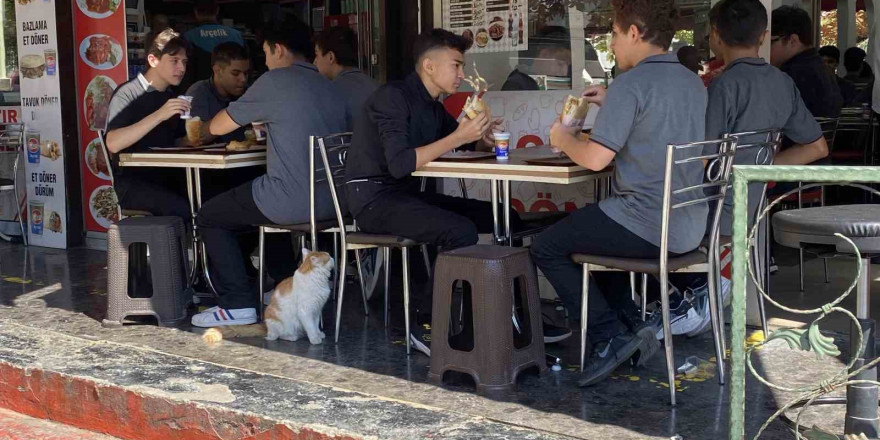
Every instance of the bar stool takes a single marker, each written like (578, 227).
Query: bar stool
(861, 224)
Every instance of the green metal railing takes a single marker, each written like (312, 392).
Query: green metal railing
(810, 339)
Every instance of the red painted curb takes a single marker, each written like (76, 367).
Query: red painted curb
(126, 414)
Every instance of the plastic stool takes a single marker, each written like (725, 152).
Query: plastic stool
(165, 287)
(503, 346)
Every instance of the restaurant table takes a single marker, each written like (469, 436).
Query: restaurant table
(519, 167)
(192, 162)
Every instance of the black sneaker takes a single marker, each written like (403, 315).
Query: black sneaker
(420, 338)
(607, 356)
(554, 333)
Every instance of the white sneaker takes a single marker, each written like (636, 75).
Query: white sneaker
(218, 317)
(682, 323)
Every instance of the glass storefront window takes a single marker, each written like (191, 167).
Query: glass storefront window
(567, 42)
(8, 53)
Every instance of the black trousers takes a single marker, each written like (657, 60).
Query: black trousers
(162, 194)
(222, 222)
(443, 221)
(588, 230)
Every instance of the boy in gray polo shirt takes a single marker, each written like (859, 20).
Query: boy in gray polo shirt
(655, 102)
(293, 102)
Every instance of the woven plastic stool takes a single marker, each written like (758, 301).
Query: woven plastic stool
(162, 294)
(502, 346)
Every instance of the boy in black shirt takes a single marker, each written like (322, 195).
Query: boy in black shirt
(144, 113)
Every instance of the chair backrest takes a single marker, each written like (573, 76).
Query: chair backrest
(760, 148)
(682, 159)
(829, 130)
(12, 139)
(327, 157)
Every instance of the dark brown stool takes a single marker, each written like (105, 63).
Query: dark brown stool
(502, 346)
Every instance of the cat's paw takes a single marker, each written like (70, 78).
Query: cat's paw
(271, 337)
(212, 336)
(317, 339)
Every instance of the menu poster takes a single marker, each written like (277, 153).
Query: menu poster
(41, 116)
(101, 65)
(491, 25)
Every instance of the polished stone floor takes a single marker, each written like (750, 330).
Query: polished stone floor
(65, 291)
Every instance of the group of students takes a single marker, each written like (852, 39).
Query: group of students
(402, 126)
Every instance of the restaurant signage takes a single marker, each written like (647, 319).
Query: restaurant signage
(491, 25)
(41, 115)
(101, 65)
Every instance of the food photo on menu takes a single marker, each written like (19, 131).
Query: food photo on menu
(97, 101)
(32, 66)
(98, 8)
(101, 51)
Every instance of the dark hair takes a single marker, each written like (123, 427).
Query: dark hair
(228, 52)
(438, 39)
(739, 23)
(167, 42)
(853, 59)
(342, 42)
(830, 52)
(654, 18)
(791, 20)
(292, 34)
(206, 8)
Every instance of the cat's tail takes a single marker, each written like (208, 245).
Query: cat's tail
(216, 334)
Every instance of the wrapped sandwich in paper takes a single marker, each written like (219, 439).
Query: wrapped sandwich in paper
(574, 112)
(474, 104)
(50, 149)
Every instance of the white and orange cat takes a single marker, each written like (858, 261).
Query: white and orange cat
(295, 308)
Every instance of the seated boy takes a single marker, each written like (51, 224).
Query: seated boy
(640, 115)
(144, 113)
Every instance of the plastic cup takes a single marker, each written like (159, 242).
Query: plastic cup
(189, 99)
(36, 212)
(502, 146)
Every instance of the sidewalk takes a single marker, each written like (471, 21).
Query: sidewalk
(15, 426)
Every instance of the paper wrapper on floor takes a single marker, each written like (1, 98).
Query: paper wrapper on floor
(50, 149)
(574, 112)
(194, 130)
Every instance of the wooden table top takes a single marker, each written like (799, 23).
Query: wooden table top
(516, 168)
(195, 159)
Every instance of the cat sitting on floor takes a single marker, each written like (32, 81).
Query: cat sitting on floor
(295, 308)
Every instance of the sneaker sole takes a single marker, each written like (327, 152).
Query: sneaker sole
(225, 323)
(648, 348)
(419, 346)
(630, 349)
(554, 339)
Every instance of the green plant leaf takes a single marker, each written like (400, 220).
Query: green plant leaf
(822, 345)
(795, 337)
(810, 339)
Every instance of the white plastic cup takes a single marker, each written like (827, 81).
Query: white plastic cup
(502, 146)
(188, 99)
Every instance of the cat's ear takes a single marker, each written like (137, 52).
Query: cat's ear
(306, 253)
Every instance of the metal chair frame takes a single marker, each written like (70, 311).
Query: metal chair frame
(338, 152)
(5, 131)
(717, 176)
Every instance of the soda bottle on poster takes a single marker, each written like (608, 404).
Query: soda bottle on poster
(510, 25)
(520, 30)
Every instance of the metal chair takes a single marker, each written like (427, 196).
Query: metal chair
(12, 142)
(334, 149)
(314, 226)
(678, 159)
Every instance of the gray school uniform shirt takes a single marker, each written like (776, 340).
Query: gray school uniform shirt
(294, 103)
(657, 102)
(354, 87)
(752, 95)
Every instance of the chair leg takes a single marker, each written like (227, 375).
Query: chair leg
(260, 273)
(336, 275)
(825, 263)
(341, 294)
(386, 252)
(713, 313)
(720, 301)
(302, 244)
(427, 259)
(585, 292)
(357, 259)
(632, 285)
(644, 296)
(667, 332)
(405, 257)
(801, 267)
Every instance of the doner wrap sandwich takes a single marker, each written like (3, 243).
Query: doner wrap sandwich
(474, 105)
(574, 112)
